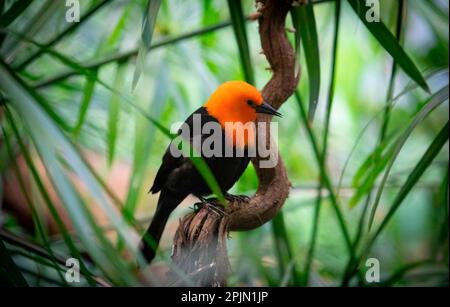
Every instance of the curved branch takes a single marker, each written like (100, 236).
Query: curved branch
(200, 241)
(274, 185)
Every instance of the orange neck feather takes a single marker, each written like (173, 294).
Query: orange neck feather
(228, 104)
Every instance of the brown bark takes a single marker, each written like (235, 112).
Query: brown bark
(200, 241)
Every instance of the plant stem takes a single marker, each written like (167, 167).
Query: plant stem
(323, 161)
(383, 129)
(326, 180)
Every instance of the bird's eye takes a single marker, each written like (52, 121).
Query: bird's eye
(251, 103)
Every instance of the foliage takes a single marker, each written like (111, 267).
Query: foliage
(369, 175)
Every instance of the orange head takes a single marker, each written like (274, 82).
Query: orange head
(237, 101)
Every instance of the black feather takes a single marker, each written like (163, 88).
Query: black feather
(177, 178)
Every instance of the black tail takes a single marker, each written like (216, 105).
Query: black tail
(167, 202)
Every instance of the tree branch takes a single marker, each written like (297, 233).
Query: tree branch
(200, 241)
(274, 185)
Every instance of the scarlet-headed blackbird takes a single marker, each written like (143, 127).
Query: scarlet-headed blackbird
(233, 102)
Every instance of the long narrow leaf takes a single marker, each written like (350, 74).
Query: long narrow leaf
(306, 25)
(406, 90)
(87, 97)
(52, 145)
(69, 29)
(32, 207)
(437, 99)
(2, 7)
(16, 9)
(389, 43)
(46, 197)
(330, 98)
(325, 177)
(200, 164)
(144, 139)
(122, 56)
(240, 32)
(428, 157)
(114, 112)
(390, 92)
(32, 26)
(148, 26)
(10, 275)
(283, 249)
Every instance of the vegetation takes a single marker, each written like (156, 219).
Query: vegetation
(86, 110)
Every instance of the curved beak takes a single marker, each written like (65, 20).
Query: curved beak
(267, 109)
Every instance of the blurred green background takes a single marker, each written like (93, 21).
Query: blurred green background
(80, 147)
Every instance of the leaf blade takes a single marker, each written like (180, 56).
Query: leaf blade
(306, 25)
(240, 32)
(87, 97)
(430, 154)
(382, 34)
(436, 100)
(16, 9)
(148, 26)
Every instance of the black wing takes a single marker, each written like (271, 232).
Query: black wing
(171, 163)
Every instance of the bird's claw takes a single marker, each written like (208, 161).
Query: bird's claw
(210, 204)
(237, 198)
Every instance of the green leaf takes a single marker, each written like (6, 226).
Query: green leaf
(283, 249)
(420, 168)
(408, 89)
(67, 31)
(144, 139)
(10, 275)
(121, 56)
(31, 204)
(382, 34)
(46, 197)
(390, 91)
(118, 31)
(33, 25)
(209, 14)
(305, 23)
(200, 164)
(330, 97)
(206, 173)
(88, 72)
(16, 9)
(148, 26)
(53, 148)
(367, 174)
(114, 111)
(438, 11)
(240, 32)
(364, 169)
(437, 99)
(325, 177)
(87, 97)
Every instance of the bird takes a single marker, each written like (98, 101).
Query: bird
(235, 102)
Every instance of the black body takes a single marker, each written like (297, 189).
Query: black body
(178, 177)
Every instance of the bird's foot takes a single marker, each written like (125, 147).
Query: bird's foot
(237, 198)
(210, 204)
